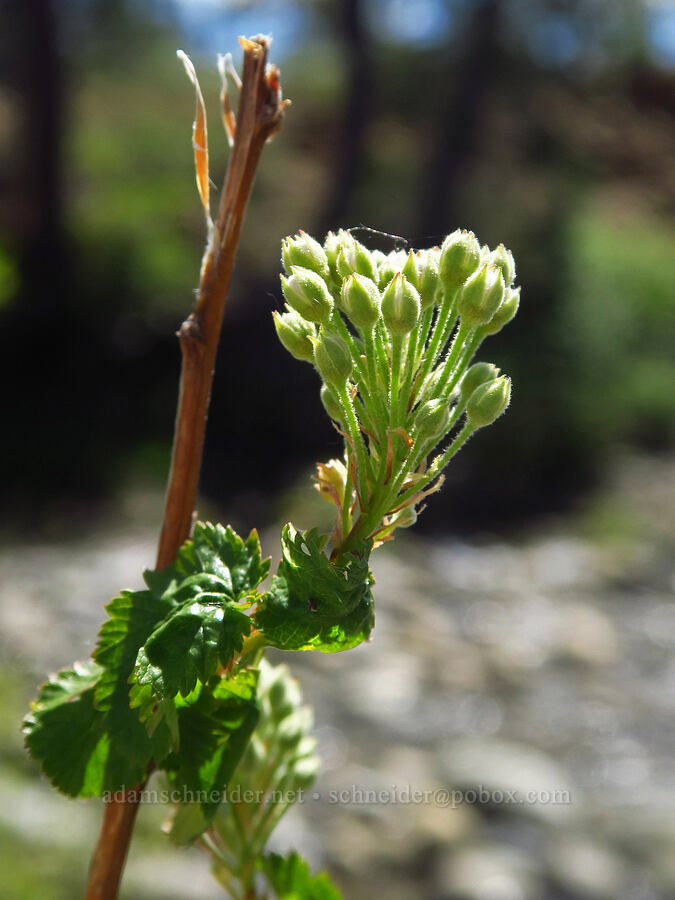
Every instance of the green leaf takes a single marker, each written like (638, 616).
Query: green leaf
(290, 879)
(132, 617)
(236, 565)
(204, 629)
(215, 728)
(314, 604)
(81, 750)
(196, 640)
(239, 563)
(94, 729)
(64, 730)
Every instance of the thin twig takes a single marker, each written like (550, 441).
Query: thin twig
(259, 116)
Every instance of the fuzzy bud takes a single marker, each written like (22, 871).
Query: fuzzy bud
(332, 359)
(432, 419)
(331, 404)
(254, 756)
(478, 374)
(331, 245)
(305, 772)
(307, 293)
(353, 257)
(503, 259)
(506, 312)
(488, 402)
(294, 333)
(331, 480)
(361, 300)
(412, 269)
(400, 306)
(303, 250)
(392, 263)
(293, 728)
(429, 280)
(460, 257)
(481, 296)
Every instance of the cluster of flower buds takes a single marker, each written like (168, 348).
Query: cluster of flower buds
(392, 337)
(278, 764)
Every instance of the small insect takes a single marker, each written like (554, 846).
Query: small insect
(398, 242)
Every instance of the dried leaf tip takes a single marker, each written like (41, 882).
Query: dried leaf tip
(225, 68)
(199, 137)
(256, 45)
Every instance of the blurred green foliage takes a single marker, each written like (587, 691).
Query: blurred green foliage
(542, 125)
(618, 322)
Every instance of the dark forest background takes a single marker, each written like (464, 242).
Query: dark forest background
(545, 124)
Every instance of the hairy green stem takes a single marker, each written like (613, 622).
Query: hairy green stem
(358, 442)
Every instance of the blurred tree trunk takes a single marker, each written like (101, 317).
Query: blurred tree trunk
(38, 78)
(349, 148)
(462, 87)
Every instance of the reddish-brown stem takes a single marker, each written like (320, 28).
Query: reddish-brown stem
(259, 117)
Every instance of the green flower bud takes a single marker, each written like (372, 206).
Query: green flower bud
(254, 756)
(432, 419)
(294, 727)
(332, 359)
(378, 258)
(505, 313)
(331, 480)
(460, 257)
(429, 280)
(331, 404)
(283, 696)
(353, 257)
(478, 374)
(307, 293)
(481, 296)
(361, 300)
(331, 245)
(305, 772)
(306, 747)
(412, 269)
(294, 332)
(303, 250)
(503, 259)
(400, 306)
(488, 402)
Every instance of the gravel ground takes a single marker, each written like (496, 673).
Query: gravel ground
(506, 735)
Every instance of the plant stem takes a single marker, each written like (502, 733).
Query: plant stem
(358, 443)
(396, 352)
(259, 116)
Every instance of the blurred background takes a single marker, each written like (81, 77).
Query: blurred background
(541, 577)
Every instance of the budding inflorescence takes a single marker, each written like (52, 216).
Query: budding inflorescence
(392, 337)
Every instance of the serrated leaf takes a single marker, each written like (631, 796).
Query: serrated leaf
(203, 629)
(64, 730)
(291, 879)
(213, 571)
(191, 645)
(214, 732)
(82, 751)
(215, 550)
(132, 617)
(221, 551)
(314, 604)
(83, 727)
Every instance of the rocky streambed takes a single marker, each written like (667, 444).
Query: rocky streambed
(507, 734)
